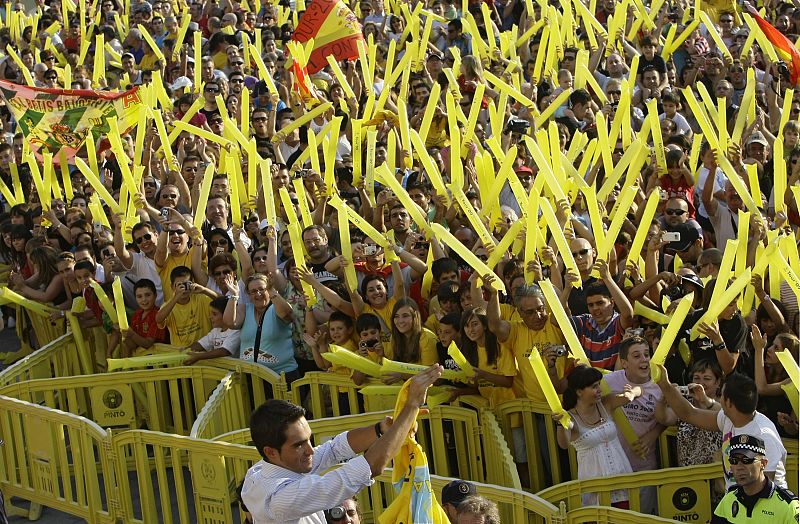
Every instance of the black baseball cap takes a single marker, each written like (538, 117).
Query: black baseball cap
(456, 491)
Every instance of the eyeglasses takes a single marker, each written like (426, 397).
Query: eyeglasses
(675, 212)
(615, 92)
(143, 238)
(726, 20)
(259, 259)
(223, 273)
(259, 291)
(744, 460)
(217, 243)
(237, 63)
(580, 253)
(175, 232)
(150, 184)
(51, 77)
(171, 196)
(191, 168)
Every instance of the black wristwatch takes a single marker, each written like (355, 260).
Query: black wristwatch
(378, 432)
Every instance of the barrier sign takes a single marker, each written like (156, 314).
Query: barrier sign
(685, 502)
(112, 405)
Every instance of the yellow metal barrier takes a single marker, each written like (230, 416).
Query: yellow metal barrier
(792, 474)
(544, 459)
(259, 382)
(56, 459)
(178, 479)
(602, 515)
(322, 392)
(223, 412)
(56, 359)
(164, 399)
(683, 493)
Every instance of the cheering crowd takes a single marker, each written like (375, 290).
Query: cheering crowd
(516, 177)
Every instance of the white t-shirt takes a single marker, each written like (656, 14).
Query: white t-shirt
(217, 338)
(760, 427)
(680, 122)
(144, 267)
(719, 184)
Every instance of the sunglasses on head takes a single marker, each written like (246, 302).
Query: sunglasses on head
(143, 238)
(744, 460)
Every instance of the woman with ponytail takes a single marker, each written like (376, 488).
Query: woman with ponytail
(592, 431)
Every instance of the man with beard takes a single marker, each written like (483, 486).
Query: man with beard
(138, 264)
(315, 240)
(217, 218)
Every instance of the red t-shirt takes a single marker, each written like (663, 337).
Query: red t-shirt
(144, 324)
(679, 189)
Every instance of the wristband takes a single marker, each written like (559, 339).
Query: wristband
(719, 347)
(378, 432)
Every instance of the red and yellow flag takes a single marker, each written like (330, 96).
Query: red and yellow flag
(334, 29)
(785, 48)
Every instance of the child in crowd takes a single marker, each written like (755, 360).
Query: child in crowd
(220, 341)
(186, 314)
(144, 330)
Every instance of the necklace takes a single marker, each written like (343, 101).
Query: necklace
(600, 418)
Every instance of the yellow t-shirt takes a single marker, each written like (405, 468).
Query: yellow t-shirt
(149, 62)
(432, 323)
(520, 342)
(509, 313)
(188, 323)
(171, 263)
(427, 349)
(506, 366)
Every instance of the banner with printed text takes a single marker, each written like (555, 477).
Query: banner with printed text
(59, 120)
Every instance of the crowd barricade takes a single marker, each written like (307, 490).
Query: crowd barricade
(320, 391)
(792, 473)
(56, 459)
(34, 330)
(176, 479)
(605, 515)
(258, 382)
(56, 359)
(546, 462)
(500, 467)
(166, 400)
(683, 493)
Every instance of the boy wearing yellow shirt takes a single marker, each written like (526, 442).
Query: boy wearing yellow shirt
(186, 315)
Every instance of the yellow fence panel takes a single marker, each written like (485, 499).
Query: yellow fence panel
(500, 467)
(56, 459)
(322, 392)
(164, 399)
(56, 359)
(178, 479)
(259, 382)
(603, 515)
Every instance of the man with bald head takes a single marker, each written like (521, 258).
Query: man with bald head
(616, 68)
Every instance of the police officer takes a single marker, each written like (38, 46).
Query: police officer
(754, 498)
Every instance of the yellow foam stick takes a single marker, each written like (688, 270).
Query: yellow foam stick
(558, 235)
(182, 34)
(98, 186)
(303, 120)
(428, 164)
(198, 60)
(563, 321)
(623, 205)
(375, 389)
(417, 215)
(345, 357)
(665, 51)
(616, 173)
(532, 233)
(472, 216)
(252, 166)
(761, 38)
(641, 232)
(669, 335)
(702, 118)
(202, 133)
(725, 299)
(163, 137)
(364, 64)
(361, 223)
(393, 366)
(146, 361)
(339, 74)
(296, 236)
(539, 63)
(28, 304)
(741, 248)
(474, 111)
(267, 191)
(677, 42)
(788, 363)
(622, 422)
(459, 358)
(545, 169)
(788, 273)
(550, 395)
(205, 189)
(715, 36)
(650, 314)
(347, 250)
(655, 131)
(105, 302)
(25, 72)
(466, 255)
(119, 304)
(560, 100)
(99, 67)
(302, 196)
(119, 151)
(503, 87)
(7, 194)
(505, 243)
(780, 175)
(737, 183)
(405, 133)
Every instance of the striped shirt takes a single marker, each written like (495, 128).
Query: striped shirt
(602, 346)
(277, 495)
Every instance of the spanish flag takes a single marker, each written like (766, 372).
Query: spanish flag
(334, 29)
(785, 48)
(415, 503)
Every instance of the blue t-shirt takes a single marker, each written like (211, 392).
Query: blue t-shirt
(276, 350)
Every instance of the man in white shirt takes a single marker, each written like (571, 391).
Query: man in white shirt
(287, 485)
(737, 417)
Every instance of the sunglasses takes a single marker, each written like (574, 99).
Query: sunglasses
(260, 119)
(569, 58)
(143, 238)
(176, 232)
(615, 92)
(189, 168)
(649, 326)
(237, 81)
(223, 273)
(744, 460)
(237, 63)
(217, 243)
(675, 212)
(51, 77)
(580, 253)
(211, 90)
(150, 184)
